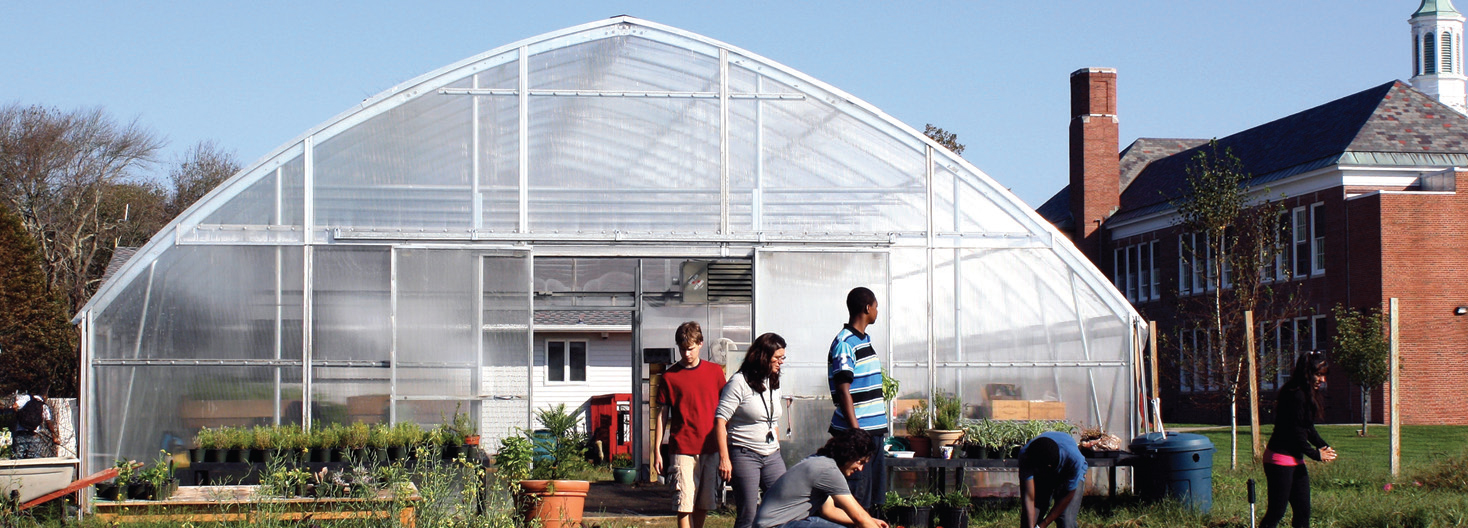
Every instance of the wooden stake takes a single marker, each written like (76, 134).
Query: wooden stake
(1396, 439)
(1253, 386)
(1156, 396)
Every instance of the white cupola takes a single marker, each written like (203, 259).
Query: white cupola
(1437, 53)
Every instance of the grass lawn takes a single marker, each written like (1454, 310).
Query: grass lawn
(1345, 493)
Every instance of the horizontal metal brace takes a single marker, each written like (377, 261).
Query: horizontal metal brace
(622, 93)
(235, 363)
(827, 239)
(590, 308)
(1010, 364)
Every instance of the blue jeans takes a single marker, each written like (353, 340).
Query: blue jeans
(753, 473)
(812, 522)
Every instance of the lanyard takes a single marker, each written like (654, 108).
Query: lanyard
(769, 412)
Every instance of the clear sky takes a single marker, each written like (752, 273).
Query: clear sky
(254, 75)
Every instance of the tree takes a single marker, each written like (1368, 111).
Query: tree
(56, 169)
(948, 139)
(1232, 235)
(1362, 350)
(38, 351)
(202, 168)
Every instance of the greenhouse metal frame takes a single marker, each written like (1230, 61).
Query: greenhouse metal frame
(390, 263)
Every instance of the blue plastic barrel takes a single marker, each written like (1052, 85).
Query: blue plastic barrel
(545, 444)
(1178, 466)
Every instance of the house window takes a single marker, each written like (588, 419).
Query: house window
(565, 361)
(1144, 271)
(1267, 355)
(1134, 271)
(1153, 271)
(1131, 273)
(1184, 266)
(1317, 238)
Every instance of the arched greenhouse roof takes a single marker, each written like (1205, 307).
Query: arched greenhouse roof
(360, 266)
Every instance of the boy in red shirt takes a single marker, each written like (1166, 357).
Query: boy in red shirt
(689, 396)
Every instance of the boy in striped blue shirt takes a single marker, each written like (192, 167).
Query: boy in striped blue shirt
(854, 373)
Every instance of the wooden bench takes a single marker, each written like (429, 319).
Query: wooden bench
(246, 504)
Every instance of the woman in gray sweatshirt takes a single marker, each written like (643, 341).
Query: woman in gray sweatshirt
(747, 424)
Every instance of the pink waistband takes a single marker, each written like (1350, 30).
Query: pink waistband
(1281, 459)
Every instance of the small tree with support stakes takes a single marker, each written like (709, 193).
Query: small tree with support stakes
(1361, 349)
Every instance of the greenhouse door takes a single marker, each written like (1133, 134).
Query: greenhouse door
(505, 314)
(801, 295)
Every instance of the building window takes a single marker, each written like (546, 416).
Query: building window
(565, 361)
(1134, 271)
(1317, 238)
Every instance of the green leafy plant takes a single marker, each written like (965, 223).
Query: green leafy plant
(917, 419)
(126, 471)
(263, 437)
(512, 462)
(356, 436)
(463, 427)
(922, 499)
(326, 437)
(890, 386)
(444, 435)
(622, 460)
(955, 499)
(207, 438)
(160, 473)
(408, 434)
(568, 453)
(380, 436)
(948, 409)
(895, 500)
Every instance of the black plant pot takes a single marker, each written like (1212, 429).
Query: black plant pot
(235, 456)
(140, 491)
(196, 455)
(320, 454)
(974, 451)
(213, 456)
(948, 517)
(899, 516)
(395, 453)
(107, 490)
(922, 517)
(451, 451)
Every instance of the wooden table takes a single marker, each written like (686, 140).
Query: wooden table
(246, 504)
(937, 468)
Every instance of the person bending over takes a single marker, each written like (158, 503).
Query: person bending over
(1052, 476)
(813, 492)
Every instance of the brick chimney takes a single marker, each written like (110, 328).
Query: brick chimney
(1095, 173)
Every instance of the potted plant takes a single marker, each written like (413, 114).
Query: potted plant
(951, 510)
(555, 499)
(975, 437)
(449, 442)
(917, 430)
(264, 442)
(897, 510)
(236, 443)
(208, 442)
(406, 437)
(324, 444)
(922, 508)
(354, 440)
(623, 470)
(464, 429)
(378, 442)
(946, 411)
(109, 490)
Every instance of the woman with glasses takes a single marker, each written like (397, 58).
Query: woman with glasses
(1293, 439)
(747, 424)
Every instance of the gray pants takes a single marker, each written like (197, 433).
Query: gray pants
(752, 474)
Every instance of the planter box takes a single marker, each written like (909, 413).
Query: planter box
(1047, 410)
(1009, 410)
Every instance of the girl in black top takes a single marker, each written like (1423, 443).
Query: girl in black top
(1293, 439)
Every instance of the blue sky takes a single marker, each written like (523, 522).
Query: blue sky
(253, 75)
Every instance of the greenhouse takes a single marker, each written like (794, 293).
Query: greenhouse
(527, 227)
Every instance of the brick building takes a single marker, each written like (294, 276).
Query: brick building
(1370, 188)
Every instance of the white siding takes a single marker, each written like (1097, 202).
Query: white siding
(608, 369)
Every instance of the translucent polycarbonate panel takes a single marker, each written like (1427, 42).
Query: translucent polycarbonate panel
(505, 377)
(499, 150)
(342, 395)
(293, 192)
(977, 208)
(1035, 318)
(624, 63)
(745, 179)
(628, 164)
(350, 300)
(802, 297)
(195, 302)
(585, 275)
(255, 205)
(907, 309)
(660, 320)
(1091, 396)
(140, 409)
(407, 167)
(830, 171)
(436, 322)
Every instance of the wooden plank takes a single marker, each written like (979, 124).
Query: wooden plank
(73, 488)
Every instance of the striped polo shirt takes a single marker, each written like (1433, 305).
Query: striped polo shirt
(853, 359)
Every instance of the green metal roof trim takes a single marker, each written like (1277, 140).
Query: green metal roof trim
(1435, 7)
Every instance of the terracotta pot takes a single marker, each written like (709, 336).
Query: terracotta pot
(555, 509)
(921, 446)
(944, 437)
(472, 440)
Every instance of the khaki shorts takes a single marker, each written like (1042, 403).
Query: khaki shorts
(695, 479)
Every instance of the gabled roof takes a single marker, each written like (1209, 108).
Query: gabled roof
(1391, 124)
(1134, 158)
